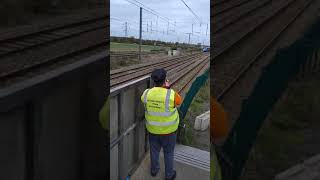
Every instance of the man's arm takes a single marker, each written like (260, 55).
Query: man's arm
(142, 96)
(218, 120)
(177, 99)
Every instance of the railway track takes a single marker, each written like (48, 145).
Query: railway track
(173, 66)
(132, 69)
(128, 55)
(219, 2)
(34, 39)
(221, 8)
(184, 81)
(229, 72)
(235, 33)
(12, 49)
(230, 17)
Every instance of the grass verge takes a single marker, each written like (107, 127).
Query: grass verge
(199, 105)
(289, 133)
(132, 47)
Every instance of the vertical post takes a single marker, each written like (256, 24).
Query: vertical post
(157, 24)
(140, 34)
(189, 38)
(192, 28)
(207, 30)
(126, 29)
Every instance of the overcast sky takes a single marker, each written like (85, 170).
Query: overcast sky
(155, 27)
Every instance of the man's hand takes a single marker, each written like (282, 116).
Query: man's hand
(167, 84)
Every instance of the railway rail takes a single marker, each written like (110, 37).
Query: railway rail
(174, 66)
(183, 81)
(218, 2)
(34, 39)
(227, 6)
(149, 66)
(233, 71)
(235, 14)
(13, 47)
(252, 23)
(128, 55)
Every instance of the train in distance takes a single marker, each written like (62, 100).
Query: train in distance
(206, 49)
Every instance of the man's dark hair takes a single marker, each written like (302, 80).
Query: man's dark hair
(159, 76)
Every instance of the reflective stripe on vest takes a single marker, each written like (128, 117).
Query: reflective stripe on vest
(164, 114)
(155, 123)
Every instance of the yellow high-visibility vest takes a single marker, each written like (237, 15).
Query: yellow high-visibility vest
(215, 171)
(104, 115)
(161, 115)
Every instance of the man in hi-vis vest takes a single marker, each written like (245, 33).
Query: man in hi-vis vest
(162, 120)
(219, 129)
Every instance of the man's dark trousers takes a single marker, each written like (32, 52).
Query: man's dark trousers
(167, 142)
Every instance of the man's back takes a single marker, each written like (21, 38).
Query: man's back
(161, 114)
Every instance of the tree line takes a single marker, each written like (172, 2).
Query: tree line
(173, 45)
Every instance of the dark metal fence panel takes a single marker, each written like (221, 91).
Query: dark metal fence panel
(12, 141)
(49, 124)
(127, 128)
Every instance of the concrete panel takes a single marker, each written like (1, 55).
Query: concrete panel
(114, 152)
(141, 131)
(94, 154)
(202, 121)
(131, 147)
(114, 163)
(130, 123)
(59, 141)
(128, 102)
(127, 154)
(140, 142)
(12, 143)
(64, 137)
(113, 117)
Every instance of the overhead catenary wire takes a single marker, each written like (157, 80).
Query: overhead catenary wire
(157, 24)
(151, 11)
(197, 17)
